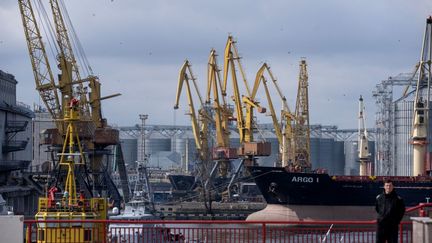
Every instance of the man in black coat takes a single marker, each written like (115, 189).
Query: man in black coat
(390, 208)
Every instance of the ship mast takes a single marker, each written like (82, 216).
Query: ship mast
(421, 104)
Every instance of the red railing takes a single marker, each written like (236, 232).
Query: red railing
(207, 231)
(116, 231)
(423, 209)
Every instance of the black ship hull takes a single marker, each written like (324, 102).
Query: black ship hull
(298, 196)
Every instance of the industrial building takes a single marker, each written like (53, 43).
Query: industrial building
(16, 149)
(41, 160)
(393, 124)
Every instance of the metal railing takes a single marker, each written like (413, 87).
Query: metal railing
(158, 231)
(116, 231)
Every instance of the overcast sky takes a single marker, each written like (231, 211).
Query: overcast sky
(136, 47)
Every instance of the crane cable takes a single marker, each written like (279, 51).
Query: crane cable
(75, 41)
(47, 27)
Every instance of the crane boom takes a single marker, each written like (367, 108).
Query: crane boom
(67, 62)
(244, 124)
(44, 78)
(221, 110)
(200, 137)
(230, 65)
(283, 129)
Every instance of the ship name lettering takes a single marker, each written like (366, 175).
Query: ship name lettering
(302, 179)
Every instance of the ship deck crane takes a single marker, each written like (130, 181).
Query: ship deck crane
(421, 121)
(363, 146)
(284, 128)
(92, 127)
(301, 127)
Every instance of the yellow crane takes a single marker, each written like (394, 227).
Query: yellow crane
(222, 152)
(70, 206)
(199, 124)
(283, 128)
(245, 124)
(93, 130)
(301, 127)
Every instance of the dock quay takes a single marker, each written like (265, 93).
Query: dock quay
(415, 228)
(216, 231)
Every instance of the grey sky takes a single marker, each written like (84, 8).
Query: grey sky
(136, 47)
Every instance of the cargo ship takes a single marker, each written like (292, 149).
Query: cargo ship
(303, 194)
(319, 196)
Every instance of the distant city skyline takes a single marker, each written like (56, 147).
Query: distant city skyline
(137, 48)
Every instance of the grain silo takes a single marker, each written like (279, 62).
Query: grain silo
(129, 145)
(184, 145)
(338, 163)
(155, 142)
(314, 153)
(351, 158)
(326, 153)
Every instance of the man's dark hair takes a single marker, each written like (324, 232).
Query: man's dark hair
(388, 181)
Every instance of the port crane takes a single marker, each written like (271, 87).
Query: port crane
(420, 128)
(245, 123)
(248, 149)
(222, 152)
(363, 146)
(92, 127)
(200, 124)
(200, 128)
(284, 127)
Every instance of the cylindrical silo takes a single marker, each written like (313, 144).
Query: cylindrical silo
(129, 148)
(338, 158)
(185, 146)
(326, 153)
(153, 144)
(315, 153)
(351, 158)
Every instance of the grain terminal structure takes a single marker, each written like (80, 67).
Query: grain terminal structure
(173, 147)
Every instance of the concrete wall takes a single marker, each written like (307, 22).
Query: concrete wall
(12, 228)
(422, 229)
